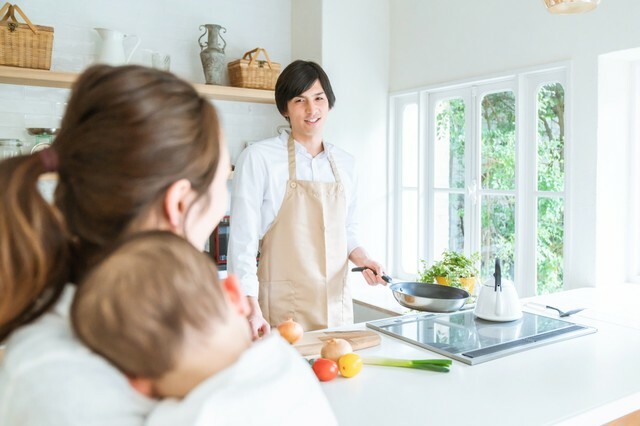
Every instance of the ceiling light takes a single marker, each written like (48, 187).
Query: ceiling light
(565, 7)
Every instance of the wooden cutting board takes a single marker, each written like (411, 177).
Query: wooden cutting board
(312, 342)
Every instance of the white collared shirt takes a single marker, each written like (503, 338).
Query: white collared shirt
(259, 185)
(247, 393)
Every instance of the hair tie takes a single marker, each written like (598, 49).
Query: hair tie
(49, 159)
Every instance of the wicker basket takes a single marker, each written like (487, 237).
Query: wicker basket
(24, 45)
(254, 74)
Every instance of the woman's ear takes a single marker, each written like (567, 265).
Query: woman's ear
(239, 301)
(176, 203)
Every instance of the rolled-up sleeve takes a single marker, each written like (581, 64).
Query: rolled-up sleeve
(246, 200)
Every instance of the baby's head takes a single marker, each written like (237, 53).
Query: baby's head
(156, 309)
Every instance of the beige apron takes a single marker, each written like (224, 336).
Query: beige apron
(303, 256)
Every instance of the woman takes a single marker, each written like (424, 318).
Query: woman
(294, 200)
(138, 149)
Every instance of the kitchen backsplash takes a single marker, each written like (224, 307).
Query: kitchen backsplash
(170, 26)
(24, 106)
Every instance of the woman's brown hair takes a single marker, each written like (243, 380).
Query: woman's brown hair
(127, 135)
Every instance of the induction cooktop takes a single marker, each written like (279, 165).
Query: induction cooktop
(466, 338)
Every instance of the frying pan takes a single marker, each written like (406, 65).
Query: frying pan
(423, 296)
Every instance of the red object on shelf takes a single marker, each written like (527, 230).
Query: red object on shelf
(219, 242)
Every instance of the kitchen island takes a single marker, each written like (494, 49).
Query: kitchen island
(590, 379)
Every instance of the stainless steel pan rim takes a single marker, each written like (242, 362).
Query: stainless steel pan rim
(429, 297)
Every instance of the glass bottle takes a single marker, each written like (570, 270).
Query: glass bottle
(10, 148)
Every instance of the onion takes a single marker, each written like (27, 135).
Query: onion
(333, 349)
(290, 330)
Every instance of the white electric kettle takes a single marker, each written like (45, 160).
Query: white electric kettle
(112, 49)
(498, 299)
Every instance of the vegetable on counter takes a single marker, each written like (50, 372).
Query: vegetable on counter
(439, 365)
(350, 364)
(333, 349)
(290, 330)
(325, 369)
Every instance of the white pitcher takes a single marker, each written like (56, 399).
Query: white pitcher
(112, 51)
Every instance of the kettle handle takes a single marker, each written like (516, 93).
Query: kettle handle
(203, 45)
(135, 46)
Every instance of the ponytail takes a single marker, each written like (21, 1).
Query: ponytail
(34, 242)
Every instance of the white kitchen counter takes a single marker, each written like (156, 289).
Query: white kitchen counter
(590, 379)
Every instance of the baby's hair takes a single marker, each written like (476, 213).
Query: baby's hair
(134, 307)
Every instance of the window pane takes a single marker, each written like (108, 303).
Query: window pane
(449, 222)
(498, 141)
(410, 146)
(551, 137)
(550, 246)
(449, 146)
(409, 225)
(498, 234)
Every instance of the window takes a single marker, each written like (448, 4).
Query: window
(479, 167)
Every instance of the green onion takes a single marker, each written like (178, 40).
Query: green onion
(439, 365)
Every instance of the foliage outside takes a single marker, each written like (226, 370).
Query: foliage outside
(498, 173)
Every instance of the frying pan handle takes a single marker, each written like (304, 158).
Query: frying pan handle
(387, 278)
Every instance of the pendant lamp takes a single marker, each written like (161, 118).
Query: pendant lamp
(566, 7)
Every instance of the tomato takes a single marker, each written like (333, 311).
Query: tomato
(325, 369)
(350, 364)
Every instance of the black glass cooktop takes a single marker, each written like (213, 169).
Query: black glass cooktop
(466, 338)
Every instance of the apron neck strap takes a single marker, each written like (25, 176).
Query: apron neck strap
(292, 157)
(291, 149)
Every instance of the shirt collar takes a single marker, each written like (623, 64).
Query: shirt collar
(284, 138)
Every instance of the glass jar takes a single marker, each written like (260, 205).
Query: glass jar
(44, 137)
(10, 148)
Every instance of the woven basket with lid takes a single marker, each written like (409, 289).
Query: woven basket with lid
(24, 45)
(249, 72)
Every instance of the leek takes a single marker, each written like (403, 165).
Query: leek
(439, 365)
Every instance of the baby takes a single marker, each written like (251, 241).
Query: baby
(155, 308)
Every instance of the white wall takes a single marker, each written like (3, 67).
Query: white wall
(306, 30)
(353, 48)
(434, 41)
(167, 25)
(616, 92)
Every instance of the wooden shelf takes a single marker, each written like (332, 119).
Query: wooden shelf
(64, 80)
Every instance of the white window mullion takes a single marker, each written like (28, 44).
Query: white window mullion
(472, 201)
(427, 138)
(526, 206)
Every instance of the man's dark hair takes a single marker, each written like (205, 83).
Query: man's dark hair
(296, 79)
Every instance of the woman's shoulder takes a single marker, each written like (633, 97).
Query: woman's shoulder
(50, 334)
(46, 367)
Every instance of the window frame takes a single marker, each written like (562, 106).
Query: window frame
(633, 242)
(525, 85)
